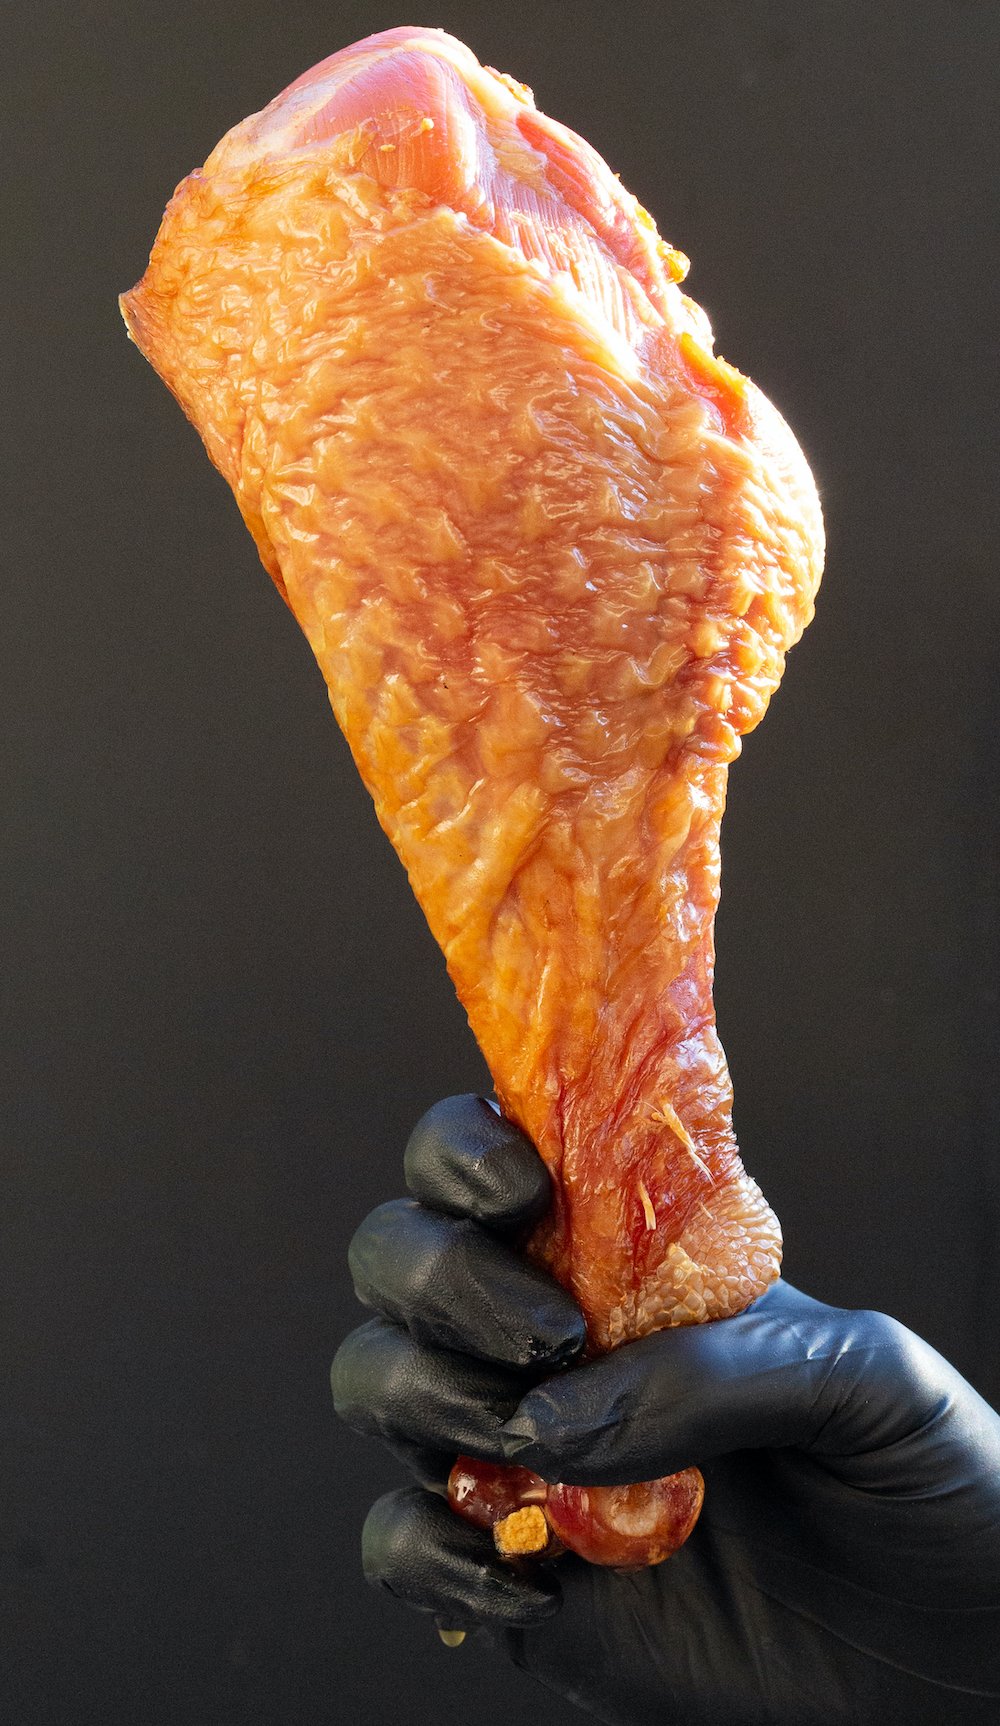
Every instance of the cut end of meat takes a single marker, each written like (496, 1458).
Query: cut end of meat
(627, 1527)
(620, 1527)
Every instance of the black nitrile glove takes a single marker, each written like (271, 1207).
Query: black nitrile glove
(846, 1566)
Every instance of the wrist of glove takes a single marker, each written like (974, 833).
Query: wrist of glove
(847, 1561)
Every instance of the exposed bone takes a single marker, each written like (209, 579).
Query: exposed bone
(523, 1533)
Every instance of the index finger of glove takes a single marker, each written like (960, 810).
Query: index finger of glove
(464, 1159)
(455, 1286)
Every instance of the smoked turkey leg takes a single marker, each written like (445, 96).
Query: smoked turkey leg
(550, 553)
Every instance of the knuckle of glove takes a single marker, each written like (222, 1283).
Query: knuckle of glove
(474, 1296)
(369, 1376)
(374, 1253)
(456, 1287)
(409, 1264)
(385, 1384)
(887, 1384)
(464, 1159)
(391, 1540)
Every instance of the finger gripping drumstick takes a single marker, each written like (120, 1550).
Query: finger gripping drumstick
(550, 553)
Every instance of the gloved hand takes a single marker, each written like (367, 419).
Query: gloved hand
(846, 1566)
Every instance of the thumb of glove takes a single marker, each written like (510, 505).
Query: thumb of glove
(789, 1371)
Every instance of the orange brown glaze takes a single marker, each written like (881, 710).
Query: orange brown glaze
(550, 553)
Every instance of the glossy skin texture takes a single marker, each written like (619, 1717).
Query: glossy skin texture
(550, 553)
(845, 1570)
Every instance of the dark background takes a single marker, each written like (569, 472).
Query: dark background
(222, 1010)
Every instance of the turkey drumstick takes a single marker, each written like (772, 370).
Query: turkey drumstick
(549, 552)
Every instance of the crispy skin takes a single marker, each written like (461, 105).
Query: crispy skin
(549, 553)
